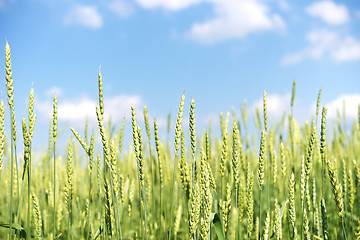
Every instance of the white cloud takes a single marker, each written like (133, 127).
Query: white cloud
(172, 5)
(326, 44)
(75, 111)
(235, 19)
(121, 8)
(87, 16)
(351, 106)
(329, 12)
(276, 105)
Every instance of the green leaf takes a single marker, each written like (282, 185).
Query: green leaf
(98, 232)
(215, 219)
(283, 209)
(19, 230)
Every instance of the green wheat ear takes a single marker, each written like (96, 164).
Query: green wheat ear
(54, 119)
(292, 212)
(357, 230)
(235, 155)
(337, 190)
(262, 160)
(178, 124)
(101, 94)
(10, 90)
(250, 203)
(37, 216)
(265, 113)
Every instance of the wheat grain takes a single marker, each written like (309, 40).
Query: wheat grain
(37, 216)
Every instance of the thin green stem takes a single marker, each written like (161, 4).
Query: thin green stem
(343, 229)
(54, 212)
(29, 201)
(11, 183)
(172, 197)
(144, 202)
(259, 213)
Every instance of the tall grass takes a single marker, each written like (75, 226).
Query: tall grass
(213, 195)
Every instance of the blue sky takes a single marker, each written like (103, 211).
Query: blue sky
(218, 51)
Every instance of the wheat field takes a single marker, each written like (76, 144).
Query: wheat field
(278, 181)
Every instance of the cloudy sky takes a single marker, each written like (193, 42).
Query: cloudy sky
(150, 51)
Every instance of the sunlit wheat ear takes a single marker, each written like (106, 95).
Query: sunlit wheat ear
(26, 145)
(278, 227)
(261, 170)
(134, 131)
(194, 209)
(32, 116)
(283, 159)
(267, 227)
(184, 167)
(306, 229)
(309, 153)
(178, 124)
(146, 120)
(242, 197)
(357, 230)
(225, 208)
(37, 216)
(157, 146)
(250, 203)
(316, 211)
(91, 150)
(113, 169)
(336, 188)
(140, 157)
(207, 146)
(207, 205)
(54, 118)
(224, 151)
(88, 216)
(104, 140)
(99, 168)
(69, 183)
(318, 103)
(121, 189)
(109, 214)
(10, 90)
(302, 180)
(351, 190)
(2, 132)
(357, 173)
(292, 212)
(323, 134)
(235, 154)
(265, 113)
(192, 128)
(101, 94)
